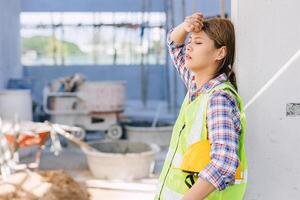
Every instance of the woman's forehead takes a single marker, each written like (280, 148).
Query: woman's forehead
(198, 35)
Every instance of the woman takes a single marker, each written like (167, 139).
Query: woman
(206, 157)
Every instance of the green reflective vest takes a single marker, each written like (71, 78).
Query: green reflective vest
(189, 128)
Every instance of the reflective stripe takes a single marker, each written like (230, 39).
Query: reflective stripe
(195, 134)
(244, 180)
(245, 175)
(177, 160)
(238, 181)
(169, 194)
(169, 154)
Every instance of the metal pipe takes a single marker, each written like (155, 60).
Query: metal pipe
(183, 9)
(222, 8)
(118, 25)
(195, 6)
(62, 45)
(53, 41)
(114, 42)
(143, 84)
(183, 17)
(167, 77)
(175, 89)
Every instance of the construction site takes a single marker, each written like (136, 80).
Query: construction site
(89, 95)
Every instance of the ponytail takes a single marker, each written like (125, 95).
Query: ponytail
(229, 71)
(231, 77)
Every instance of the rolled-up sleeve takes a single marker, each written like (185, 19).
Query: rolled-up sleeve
(177, 54)
(223, 124)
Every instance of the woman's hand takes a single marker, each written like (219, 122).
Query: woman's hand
(193, 23)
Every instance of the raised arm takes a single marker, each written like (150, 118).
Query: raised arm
(176, 43)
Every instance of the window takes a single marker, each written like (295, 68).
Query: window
(92, 38)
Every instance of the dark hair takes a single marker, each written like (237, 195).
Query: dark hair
(221, 31)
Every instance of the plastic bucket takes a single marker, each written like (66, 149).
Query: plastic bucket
(14, 102)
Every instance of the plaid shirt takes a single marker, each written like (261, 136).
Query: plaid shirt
(223, 121)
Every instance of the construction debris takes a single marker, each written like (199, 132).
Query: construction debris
(44, 185)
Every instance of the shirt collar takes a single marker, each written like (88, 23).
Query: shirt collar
(211, 83)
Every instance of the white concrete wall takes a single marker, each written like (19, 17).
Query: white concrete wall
(268, 34)
(10, 66)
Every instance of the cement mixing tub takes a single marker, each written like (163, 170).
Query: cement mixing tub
(121, 160)
(142, 131)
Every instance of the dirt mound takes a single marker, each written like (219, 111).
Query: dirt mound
(44, 185)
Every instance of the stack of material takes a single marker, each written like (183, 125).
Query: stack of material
(68, 83)
(47, 185)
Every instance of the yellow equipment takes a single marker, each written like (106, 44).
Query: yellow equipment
(197, 157)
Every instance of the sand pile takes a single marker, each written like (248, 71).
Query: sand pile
(46, 185)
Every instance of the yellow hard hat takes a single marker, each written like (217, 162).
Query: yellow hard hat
(197, 157)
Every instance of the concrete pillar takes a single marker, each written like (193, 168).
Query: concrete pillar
(267, 34)
(10, 66)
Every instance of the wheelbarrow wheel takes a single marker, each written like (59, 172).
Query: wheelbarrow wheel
(80, 134)
(114, 132)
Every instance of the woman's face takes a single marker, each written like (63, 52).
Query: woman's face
(200, 51)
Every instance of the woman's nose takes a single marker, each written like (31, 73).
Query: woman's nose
(188, 47)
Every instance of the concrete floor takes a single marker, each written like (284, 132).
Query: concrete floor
(141, 189)
(96, 194)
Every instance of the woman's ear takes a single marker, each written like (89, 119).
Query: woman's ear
(221, 53)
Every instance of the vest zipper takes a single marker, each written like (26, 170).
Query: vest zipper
(171, 162)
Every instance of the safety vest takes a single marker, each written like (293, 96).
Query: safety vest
(190, 128)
